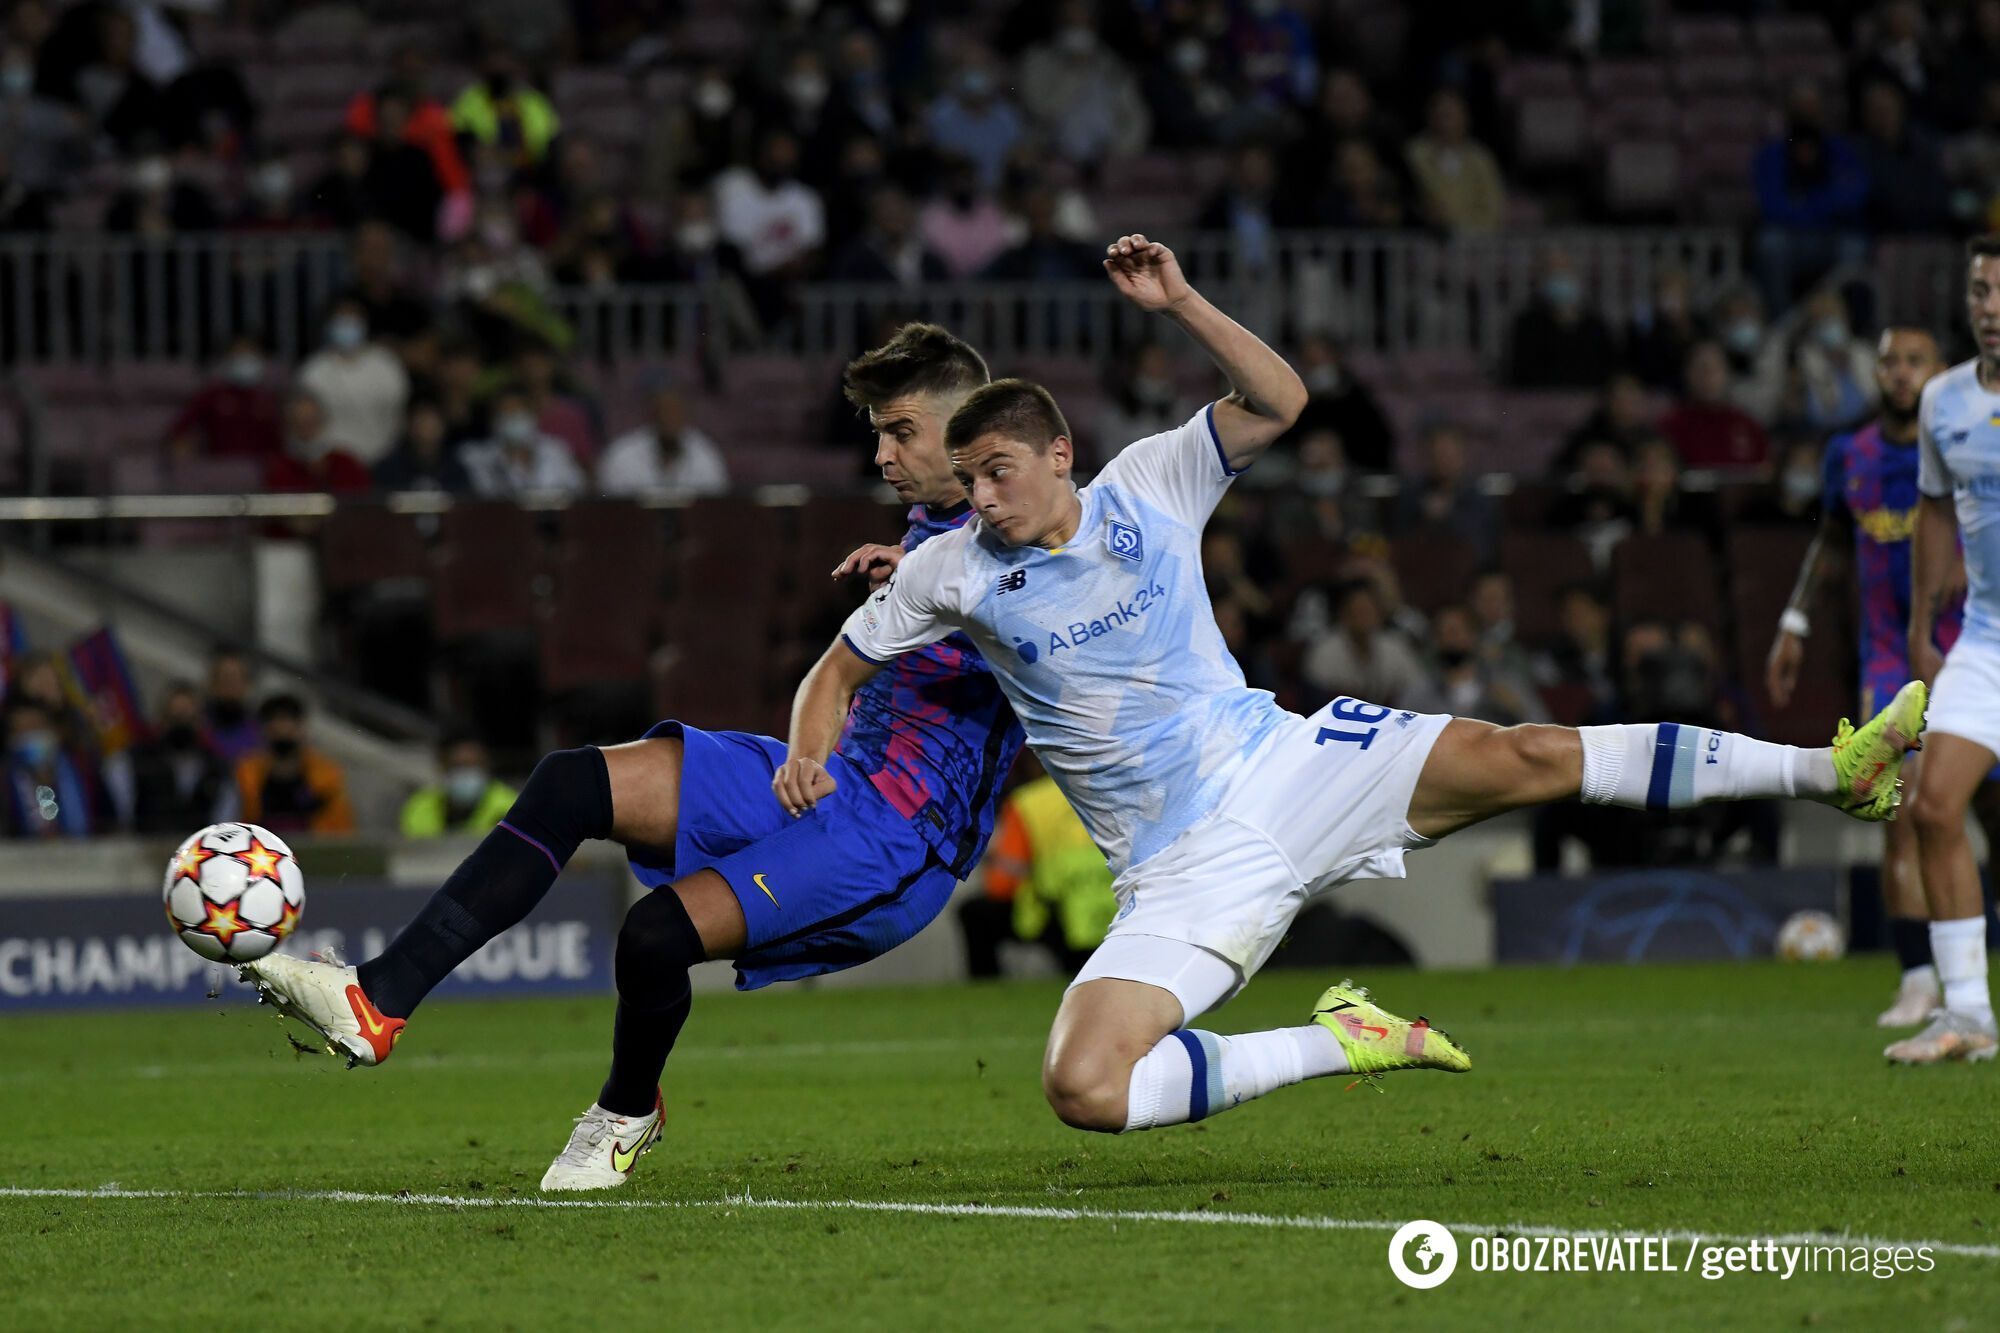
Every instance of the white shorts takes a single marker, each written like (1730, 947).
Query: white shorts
(1325, 800)
(1965, 701)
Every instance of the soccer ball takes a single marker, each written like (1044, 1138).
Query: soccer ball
(233, 892)
(1811, 937)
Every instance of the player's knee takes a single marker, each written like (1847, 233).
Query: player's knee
(569, 790)
(1935, 818)
(658, 939)
(1087, 1090)
(1546, 758)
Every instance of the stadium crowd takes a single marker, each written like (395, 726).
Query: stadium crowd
(477, 160)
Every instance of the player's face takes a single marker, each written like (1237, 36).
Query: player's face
(1017, 491)
(1904, 362)
(909, 448)
(1982, 304)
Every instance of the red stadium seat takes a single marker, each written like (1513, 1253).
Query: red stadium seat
(1642, 178)
(1667, 577)
(1626, 78)
(361, 545)
(1551, 131)
(1540, 565)
(1433, 568)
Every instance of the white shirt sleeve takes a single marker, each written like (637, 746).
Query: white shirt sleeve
(1933, 477)
(1181, 471)
(917, 607)
(622, 470)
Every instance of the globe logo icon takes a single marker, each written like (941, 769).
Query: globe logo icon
(1422, 1254)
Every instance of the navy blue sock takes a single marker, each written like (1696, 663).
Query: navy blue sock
(1910, 937)
(656, 946)
(565, 800)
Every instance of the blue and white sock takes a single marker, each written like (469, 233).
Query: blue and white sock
(1670, 765)
(1191, 1074)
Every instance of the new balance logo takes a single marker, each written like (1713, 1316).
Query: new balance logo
(1012, 581)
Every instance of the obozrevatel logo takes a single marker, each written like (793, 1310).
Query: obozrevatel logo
(1422, 1254)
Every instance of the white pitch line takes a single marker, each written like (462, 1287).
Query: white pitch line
(1279, 1221)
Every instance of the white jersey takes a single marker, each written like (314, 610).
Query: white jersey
(1107, 647)
(1958, 442)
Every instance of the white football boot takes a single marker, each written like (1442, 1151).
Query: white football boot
(1950, 1036)
(327, 998)
(603, 1148)
(1915, 998)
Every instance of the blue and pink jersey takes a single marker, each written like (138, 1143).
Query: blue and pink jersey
(933, 733)
(1874, 480)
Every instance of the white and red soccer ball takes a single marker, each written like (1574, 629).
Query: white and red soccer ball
(233, 892)
(1810, 937)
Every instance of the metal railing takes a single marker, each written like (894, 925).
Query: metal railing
(97, 300)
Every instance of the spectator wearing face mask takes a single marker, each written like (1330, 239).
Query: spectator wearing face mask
(313, 458)
(975, 120)
(1755, 354)
(466, 799)
(1086, 104)
(1467, 682)
(1705, 428)
(963, 224)
(692, 140)
(1812, 188)
(228, 727)
(1457, 176)
(236, 414)
(156, 202)
(180, 783)
(46, 142)
(51, 792)
(1142, 400)
(665, 454)
(1662, 329)
(1359, 654)
(1318, 498)
(1339, 402)
(1445, 497)
(521, 459)
(1557, 342)
(427, 124)
(361, 384)
(285, 784)
(1835, 371)
(1793, 495)
(775, 220)
(1190, 100)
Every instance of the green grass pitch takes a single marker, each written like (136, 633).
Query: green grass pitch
(1735, 1101)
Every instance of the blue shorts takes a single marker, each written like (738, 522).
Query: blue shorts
(846, 882)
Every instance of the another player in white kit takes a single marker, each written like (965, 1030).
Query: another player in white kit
(1958, 476)
(1221, 813)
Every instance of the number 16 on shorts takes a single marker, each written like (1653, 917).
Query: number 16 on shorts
(1345, 709)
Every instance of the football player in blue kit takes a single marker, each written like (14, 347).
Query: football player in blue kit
(921, 753)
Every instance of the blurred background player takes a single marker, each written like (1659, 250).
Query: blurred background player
(1045, 882)
(1868, 507)
(924, 750)
(1958, 473)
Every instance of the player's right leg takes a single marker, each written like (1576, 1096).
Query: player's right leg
(627, 792)
(1477, 770)
(1963, 1029)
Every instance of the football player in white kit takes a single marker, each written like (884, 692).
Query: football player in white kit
(1958, 479)
(1221, 813)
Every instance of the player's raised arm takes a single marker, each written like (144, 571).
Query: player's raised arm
(1266, 394)
(1833, 542)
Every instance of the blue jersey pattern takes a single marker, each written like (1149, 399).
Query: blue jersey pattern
(933, 732)
(1875, 481)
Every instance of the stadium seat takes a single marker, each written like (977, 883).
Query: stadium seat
(1550, 131)
(1705, 35)
(1639, 116)
(1642, 178)
(1714, 73)
(1626, 78)
(361, 545)
(1777, 33)
(1540, 565)
(1525, 78)
(484, 576)
(1669, 577)
(1433, 567)
(582, 85)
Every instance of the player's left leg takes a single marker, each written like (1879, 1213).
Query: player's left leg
(1477, 770)
(1120, 1057)
(1908, 920)
(665, 934)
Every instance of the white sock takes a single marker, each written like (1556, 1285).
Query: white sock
(1958, 948)
(1193, 1074)
(1924, 975)
(1669, 766)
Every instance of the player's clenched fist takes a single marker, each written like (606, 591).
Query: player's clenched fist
(876, 561)
(800, 783)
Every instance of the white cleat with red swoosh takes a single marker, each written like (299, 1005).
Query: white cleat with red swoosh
(327, 998)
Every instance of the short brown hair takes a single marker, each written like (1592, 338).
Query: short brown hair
(1017, 409)
(920, 358)
(1983, 247)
